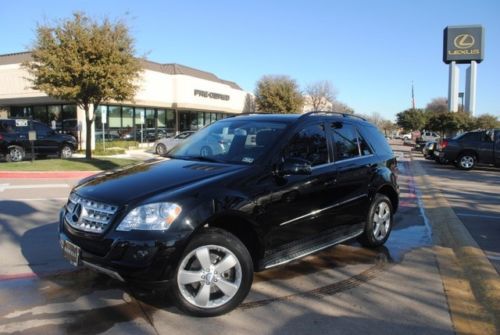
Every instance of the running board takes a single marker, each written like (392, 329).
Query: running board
(295, 250)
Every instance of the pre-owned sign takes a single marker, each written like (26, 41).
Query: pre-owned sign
(463, 44)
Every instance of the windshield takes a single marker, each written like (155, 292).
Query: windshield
(230, 141)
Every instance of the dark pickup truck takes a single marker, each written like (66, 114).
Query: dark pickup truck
(468, 149)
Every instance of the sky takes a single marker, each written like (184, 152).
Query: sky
(371, 51)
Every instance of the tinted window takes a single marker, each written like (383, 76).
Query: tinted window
(309, 144)
(345, 141)
(475, 136)
(363, 145)
(7, 126)
(487, 136)
(376, 139)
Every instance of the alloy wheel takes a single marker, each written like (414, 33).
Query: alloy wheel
(467, 162)
(381, 220)
(209, 276)
(16, 155)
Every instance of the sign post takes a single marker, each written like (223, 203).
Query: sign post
(103, 122)
(463, 45)
(32, 139)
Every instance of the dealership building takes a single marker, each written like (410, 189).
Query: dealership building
(171, 98)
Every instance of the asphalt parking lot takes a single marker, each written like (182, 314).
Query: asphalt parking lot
(347, 289)
(475, 198)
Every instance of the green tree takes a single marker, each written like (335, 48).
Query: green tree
(487, 121)
(411, 119)
(444, 122)
(278, 94)
(86, 61)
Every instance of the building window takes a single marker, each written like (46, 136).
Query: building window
(40, 114)
(20, 112)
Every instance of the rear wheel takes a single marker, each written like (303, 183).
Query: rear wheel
(214, 274)
(161, 149)
(466, 161)
(16, 154)
(378, 222)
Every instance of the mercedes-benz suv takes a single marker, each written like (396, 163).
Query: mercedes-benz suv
(200, 224)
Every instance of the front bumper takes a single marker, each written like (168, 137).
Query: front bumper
(143, 259)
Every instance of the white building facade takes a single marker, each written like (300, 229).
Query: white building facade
(170, 98)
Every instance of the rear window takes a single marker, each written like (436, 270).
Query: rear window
(376, 139)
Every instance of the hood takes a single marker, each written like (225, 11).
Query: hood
(123, 186)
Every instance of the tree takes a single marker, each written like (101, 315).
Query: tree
(411, 119)
(321, 95)
(85, 61)
(249, 106)
(443, 122)
(341, 107)
(437, 105)
(278, 94)
(487, 121)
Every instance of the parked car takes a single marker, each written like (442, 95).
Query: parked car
(15, 143)
(429, 149)
(163, 145)
(285, 187)
(425, 137)
(468, 149)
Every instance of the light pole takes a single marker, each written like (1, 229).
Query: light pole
(461, 96)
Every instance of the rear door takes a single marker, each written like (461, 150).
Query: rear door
(355, 162)
(497, 147)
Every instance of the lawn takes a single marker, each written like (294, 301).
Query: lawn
(73, 164)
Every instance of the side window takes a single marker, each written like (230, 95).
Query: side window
(474, 136)
(363, 145)
(309, 144)
(487, 136)
(345, 141)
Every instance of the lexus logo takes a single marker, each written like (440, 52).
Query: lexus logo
(464, 41)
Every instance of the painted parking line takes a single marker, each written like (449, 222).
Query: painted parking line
(4, 187)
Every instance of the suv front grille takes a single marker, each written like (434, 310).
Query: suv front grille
(88, 215)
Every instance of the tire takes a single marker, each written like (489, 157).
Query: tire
(66, 152)
(196, 291)
(378, 222)
(206, 151)
(161, 149)
(15, 154)
(466, 161)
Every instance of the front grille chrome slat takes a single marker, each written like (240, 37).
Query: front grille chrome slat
(88, 215)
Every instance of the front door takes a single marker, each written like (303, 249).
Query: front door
(46, 139)
(297, 200)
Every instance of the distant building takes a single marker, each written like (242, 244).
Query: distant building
(171, 98)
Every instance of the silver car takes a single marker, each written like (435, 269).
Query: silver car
(163, 145)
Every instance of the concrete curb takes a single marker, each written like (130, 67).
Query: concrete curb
(46, 174)
(471, 283)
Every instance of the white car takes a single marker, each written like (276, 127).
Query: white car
(165, 144)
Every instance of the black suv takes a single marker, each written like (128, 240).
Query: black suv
(468, 149)
(15, 143)
(284, 187)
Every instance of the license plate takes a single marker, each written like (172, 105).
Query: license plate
(72, 253)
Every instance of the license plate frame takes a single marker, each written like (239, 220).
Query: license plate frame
(72, 253)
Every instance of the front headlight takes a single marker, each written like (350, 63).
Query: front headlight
(157, 216)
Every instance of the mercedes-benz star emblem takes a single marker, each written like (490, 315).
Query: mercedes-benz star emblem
(464, 41)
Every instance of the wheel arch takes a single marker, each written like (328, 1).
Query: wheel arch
(468, 151)
(391, 193)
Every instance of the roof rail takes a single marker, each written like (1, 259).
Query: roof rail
(334, 113)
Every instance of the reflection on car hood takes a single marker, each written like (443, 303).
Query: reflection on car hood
(123, 186)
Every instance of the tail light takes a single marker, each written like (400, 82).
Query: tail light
(443, 144)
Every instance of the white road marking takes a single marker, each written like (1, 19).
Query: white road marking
(4, 187)
(497, 217)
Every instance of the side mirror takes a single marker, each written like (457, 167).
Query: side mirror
(296, 166)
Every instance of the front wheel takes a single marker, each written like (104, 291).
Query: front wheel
(214, 274)
(66, 152)
(378, 222)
